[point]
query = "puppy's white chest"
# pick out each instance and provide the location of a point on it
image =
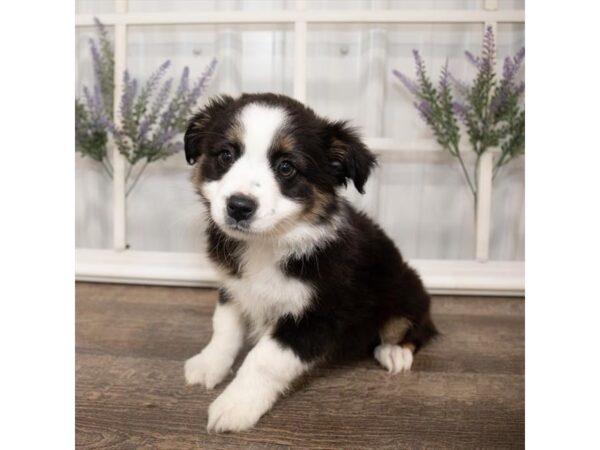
(263, 291)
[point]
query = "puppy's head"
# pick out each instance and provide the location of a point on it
(265, 163)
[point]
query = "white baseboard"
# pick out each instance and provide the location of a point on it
(458, 277)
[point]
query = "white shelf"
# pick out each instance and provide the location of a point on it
(459, 277)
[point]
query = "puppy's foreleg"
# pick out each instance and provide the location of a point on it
(268, 370)
(211, 366)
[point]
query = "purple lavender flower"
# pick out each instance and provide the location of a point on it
(190, 100)
(156, 76)
(507, 86)
(407, 82)
(88, 98)
(489, 49)
(110, 126)
(129, 92)
(183, 82)
(100, 27)
(487, 54)
(99, 106)
(512, 65)
(508, 69)
(519, 57)
(94, 102)
(203, 81)
(165, 136)
(167, 118)
(162, 95)
(420, 64)
(444, 75)
(96, 59)
(475, 60)
(424, 108)
(460, 110)
(160, 100)
(151, 85)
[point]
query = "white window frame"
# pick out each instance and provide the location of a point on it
(479, 276)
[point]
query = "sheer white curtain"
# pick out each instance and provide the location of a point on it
(420, 199)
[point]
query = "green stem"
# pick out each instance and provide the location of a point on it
(497, 166)
(108, 164)
(128, 172)
(108, 171)
(137, 178)
(476, 170)
(466, 174)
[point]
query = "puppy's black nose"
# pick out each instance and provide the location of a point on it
(241, 207)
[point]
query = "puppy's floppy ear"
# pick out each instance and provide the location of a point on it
(349, 157)
(199, 125)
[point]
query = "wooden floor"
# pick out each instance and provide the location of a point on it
(465, 391)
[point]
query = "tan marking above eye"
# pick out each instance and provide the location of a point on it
(286, 142)
(202, 122)
(235, 133)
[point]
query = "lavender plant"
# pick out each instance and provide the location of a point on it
(92, 111)
(490, 110)
(150, 117)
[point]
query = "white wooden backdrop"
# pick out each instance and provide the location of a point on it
(337, 56)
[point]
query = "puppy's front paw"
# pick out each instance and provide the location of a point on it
(236, 410)
(208, 368)
(394, 357)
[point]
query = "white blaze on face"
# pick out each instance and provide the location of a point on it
(252, 174)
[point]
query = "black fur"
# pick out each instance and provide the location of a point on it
(361, 282)
(350, 157)
(202, 126)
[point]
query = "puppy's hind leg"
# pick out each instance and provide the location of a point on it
(419, 334)
(393, 357)
(400, 339)
(409, 327)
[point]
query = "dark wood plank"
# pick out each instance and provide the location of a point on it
(465, 391)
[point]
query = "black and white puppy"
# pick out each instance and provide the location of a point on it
(306, 277)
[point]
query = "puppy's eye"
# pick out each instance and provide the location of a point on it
(225, 157)
(286, 169)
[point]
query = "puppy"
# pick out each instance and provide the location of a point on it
(306, 277)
